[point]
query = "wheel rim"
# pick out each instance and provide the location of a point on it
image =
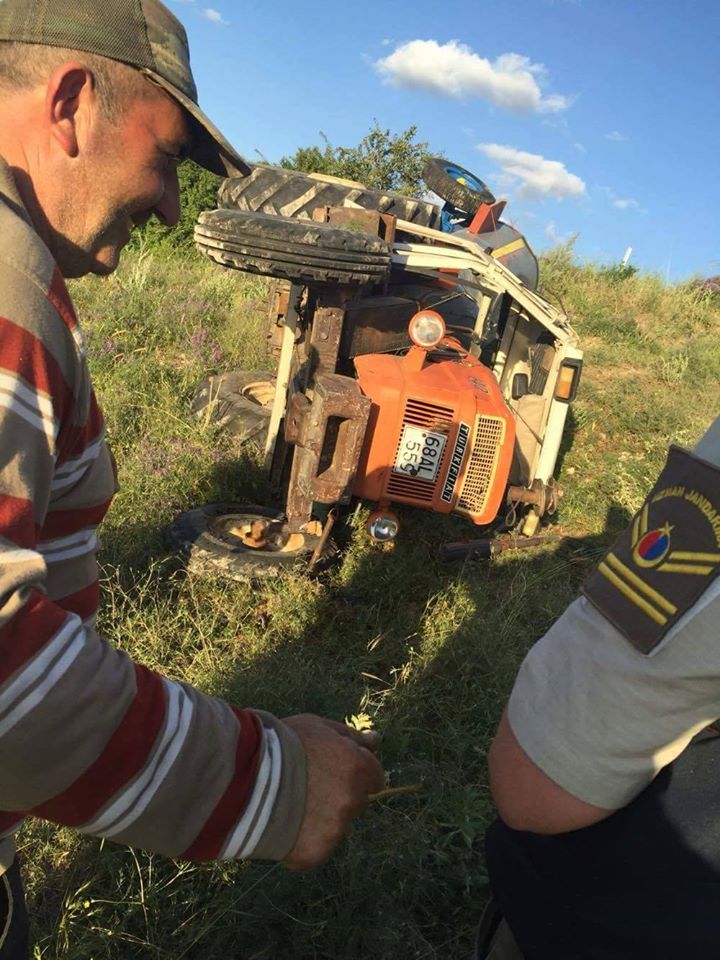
(464, 178)
(234, 529)
(262, 393)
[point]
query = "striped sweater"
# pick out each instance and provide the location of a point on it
(88, 738)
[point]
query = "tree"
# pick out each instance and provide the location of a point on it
(386, 161)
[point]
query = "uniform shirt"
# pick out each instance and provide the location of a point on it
(599, 717)
(88, 739)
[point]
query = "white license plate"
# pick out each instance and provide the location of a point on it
(420, 453)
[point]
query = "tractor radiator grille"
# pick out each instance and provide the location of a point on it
(429, 416)
(488, 439)
(421, 414)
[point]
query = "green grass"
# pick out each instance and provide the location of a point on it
(427, 652)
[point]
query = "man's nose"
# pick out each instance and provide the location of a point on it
(167, 210)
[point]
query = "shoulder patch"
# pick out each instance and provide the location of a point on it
(666, 558)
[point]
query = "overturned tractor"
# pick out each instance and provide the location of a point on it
(417, 365)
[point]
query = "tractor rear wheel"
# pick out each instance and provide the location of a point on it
(289, 193)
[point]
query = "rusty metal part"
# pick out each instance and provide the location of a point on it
(324, 536)
(259, 534)
(359, 219)
(328, 434)
(278, 302)
(297, 411)
(253, 535)
(355, 219)
(377, 325)
(325, 337)
(543, 497)
(485, 549)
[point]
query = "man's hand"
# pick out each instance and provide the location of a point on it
(341, 774)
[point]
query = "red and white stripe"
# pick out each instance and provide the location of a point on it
(30, 404)
(66, 548)
(72, 471)
(128, 805)
(28, 688)
(241, 844)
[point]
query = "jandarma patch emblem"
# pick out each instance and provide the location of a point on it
(653, 547)
(666, 558)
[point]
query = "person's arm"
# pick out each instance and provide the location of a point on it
(591, 720)
(630, 673)
(90, 740)
(526, 798)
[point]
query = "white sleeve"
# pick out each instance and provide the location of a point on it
(600, 718)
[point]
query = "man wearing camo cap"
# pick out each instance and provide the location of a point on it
(97, 107)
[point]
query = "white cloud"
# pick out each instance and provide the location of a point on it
(215, 16)
(616, 136)
(580, 148)
(511, 82)
(533, 175)
(627, 204)
(620, 203)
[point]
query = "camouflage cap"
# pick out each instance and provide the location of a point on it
(141, 33)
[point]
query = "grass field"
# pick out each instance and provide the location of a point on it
(423, 652)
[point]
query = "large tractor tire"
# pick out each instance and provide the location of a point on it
(288, 193)
(458, 186)
(298, 250)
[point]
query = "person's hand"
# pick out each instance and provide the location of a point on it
(342, 773)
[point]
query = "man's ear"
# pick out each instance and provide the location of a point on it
(69, 103)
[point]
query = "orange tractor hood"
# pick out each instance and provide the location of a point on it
(440, 435)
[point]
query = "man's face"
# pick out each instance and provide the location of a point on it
(129, 174)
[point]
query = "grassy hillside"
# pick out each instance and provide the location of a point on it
(427, 652)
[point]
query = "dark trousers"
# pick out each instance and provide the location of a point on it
(642, 885)
(13, 917)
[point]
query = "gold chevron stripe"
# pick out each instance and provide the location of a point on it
(685, 568)
(636, 581)
(636, 530)
(644, 519)
(631, 595)
(700, 557)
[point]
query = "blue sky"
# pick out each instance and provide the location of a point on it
(594, 117)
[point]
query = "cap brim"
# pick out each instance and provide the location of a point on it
(210, 149)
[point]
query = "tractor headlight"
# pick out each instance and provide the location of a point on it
(383, 526)
(427, 329)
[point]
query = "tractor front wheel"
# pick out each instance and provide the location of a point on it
(241, 542)
(298, 250)
(456, 185)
